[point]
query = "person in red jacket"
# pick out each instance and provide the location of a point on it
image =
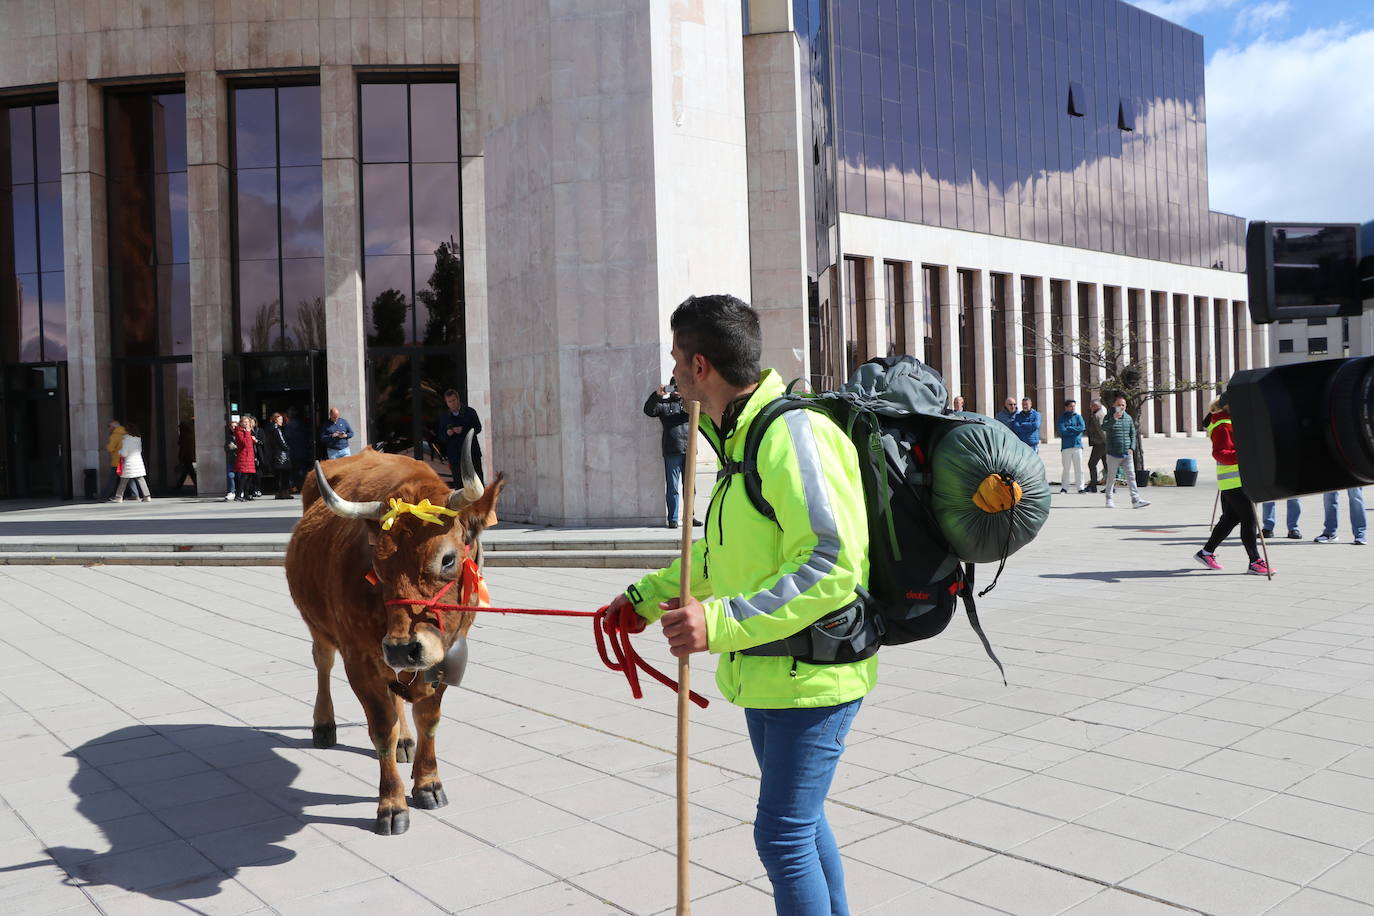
(245, 461)
(1236, 508)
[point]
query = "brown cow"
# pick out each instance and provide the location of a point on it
(392, 654)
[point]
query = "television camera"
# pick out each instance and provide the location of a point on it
(1306, 427)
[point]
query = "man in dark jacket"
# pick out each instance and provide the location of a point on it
(1097, 442)
(337, 436)
(452, 427)
(665, 403)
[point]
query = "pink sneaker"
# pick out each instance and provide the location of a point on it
(1260, 568)
(1207, 559)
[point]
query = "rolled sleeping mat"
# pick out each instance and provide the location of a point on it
(989, 490)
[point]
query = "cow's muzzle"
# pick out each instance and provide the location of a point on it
(407, 655)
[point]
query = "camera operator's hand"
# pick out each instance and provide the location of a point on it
(661, 391)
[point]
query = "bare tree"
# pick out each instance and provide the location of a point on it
(1124, 369)
(309, 329)
(260, 333)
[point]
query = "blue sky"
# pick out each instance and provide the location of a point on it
(1290, 104)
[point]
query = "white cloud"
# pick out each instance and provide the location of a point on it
(1289, 127)
(1261, 16)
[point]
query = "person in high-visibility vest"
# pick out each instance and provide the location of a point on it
(1236, 508)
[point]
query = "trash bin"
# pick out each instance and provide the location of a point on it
(1142, 477)
(90, 482)
(1185, 472)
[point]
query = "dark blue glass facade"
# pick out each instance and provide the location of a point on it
(1073, 122)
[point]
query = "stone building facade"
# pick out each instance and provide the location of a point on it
(296, 204)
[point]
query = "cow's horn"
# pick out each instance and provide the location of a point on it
(344, 507)
(472, 487)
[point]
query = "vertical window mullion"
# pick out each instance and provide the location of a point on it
(410, 210)
(37, 228)
(281, 259)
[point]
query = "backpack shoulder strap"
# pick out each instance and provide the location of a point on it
(748, 465)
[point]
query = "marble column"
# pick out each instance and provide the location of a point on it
(875, 306)
(1015, 337)
(1186, 350)
(208, 205)
(1044, 361)
(1226, 347)
(948, 316)
(1088, 296)
(1207, 352)
(1073, 367)
(981, 398)
(774, 103)
(915, 310)
(84, 260)
(1259, 342)
(345, 336)
(1166, 368)
(1240, 315)
(1144, 335)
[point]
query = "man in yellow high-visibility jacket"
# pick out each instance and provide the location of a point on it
(756, 581)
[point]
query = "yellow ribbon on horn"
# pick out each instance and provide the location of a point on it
(424, 510)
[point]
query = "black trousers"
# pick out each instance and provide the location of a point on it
(1097, 458)
(1236, 509)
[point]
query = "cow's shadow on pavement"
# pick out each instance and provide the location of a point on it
(184, 808)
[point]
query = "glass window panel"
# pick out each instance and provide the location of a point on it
(255, 128)
(29, 350)
(48, 165)
(178, 232)
(259, 305)
(179, 307)
(390, 412)
(386, 210)
(384, 122)
(303, 303)
(434, 122)
(21, 144)
(54, 315)
(169, 112)
(302, 212)
(25, 229)
(257, 213)
(50, 225)
(299, 119)
(386, 292)
(437, 214)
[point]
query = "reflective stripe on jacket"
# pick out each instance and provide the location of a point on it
(1228, 475)
(759, 581)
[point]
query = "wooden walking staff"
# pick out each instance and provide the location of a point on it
(684, 669)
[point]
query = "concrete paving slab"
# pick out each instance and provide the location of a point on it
(1171, 737)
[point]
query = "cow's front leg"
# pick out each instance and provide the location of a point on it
(428, 791)
(405, 747)
(383, 726)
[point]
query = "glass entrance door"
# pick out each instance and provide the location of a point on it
(37, 442)
(406, 393)
(292, 384)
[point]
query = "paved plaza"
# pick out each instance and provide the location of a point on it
(1171, 739)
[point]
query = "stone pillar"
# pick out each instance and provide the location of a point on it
(1207, 362)
(1259, 343)
(875, 305)
(915, 311)
(208, 203)
(1226, 352)
(1166, 371)
(1189, 371)
(1073, 367)
(778, 264)
(85, 248)
(1044, 361)
(616, 186)
(983, 399)
(1089, 301)
(1015, 356)
(345, 336)
(476, 336)
(1145, 336)
(948, 316)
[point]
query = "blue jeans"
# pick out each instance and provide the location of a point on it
(797, 751)
(1355, 498)
(337, 452)
(1291, 513)
(672, 479)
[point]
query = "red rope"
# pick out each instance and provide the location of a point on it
(626, 660)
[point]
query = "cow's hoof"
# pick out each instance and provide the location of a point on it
(405, 750)
(325, 735)
(392, 823)
(429, 797)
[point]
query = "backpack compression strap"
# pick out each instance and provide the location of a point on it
(971, 609)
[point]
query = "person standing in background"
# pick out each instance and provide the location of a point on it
(1070, 428)
(1097, 444)
(131, 451)
(112, 444)
(337, 436)
(665, 403)
(1292, 511)
(1120, 432)
(1026, 424)
(452, 428)
(1355, 500)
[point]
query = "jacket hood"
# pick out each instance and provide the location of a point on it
(770, 388)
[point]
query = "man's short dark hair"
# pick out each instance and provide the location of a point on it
(451, 393)
(723, 329)
(1069, 402)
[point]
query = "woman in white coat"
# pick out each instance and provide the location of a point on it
(131, 467)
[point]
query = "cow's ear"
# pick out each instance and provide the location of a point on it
(485, 508)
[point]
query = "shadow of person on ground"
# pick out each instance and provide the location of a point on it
(1119, 575)
(185, 807)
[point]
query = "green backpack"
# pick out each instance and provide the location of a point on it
(944, 490)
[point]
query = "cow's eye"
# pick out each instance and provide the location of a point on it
(450, 559)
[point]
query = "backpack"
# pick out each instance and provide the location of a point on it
(944, 490)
